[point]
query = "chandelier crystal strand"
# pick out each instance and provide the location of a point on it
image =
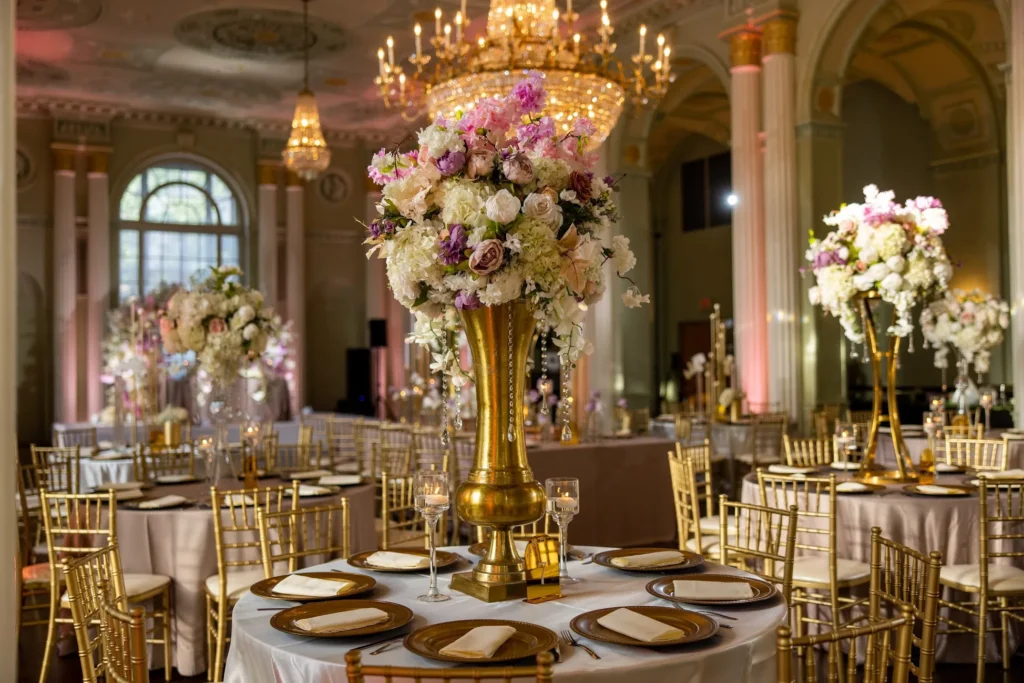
(582, 75)
(306, 152)
(566, 399)
(511, 384)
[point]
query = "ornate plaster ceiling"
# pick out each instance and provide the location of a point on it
(217, 58)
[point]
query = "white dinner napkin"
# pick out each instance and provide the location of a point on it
(1006, 474)
(711, 590)
(239, 498)
(945, 467)
(932, 490)
(850, 487)
(638, 626)
(390, 560)
(174, 478)
(311, 587)
(163, 502)
(309, 474)
(105, 444)
(480, 643)
(309, 490)
(341, 480)
(128, 494)
(111, 455)
(658, 559)
(845, 465)
(789, 469)
(120, 486)
(346, 620)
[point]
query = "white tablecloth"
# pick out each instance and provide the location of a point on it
(745, 653)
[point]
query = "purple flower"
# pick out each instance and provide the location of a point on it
(591, 406)
(382, 227)
(529, 93)
(451, 162)
(453, 247)
(533, 395)
(622, 403)
(552, 400)
(467, 302)
(823, 259)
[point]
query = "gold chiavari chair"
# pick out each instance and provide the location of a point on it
(124, 642)
(702, 465)
(808, 452)
(57, 468)
(165, 464)
(239, 557)
(996, 586)
(824, 419)
(963, 430)
(343, 449)
(464, 449)
(395, 434)
(318, 422)
(305, 435)
(79, 524)
(765, 444)
(684, 428)
(357, 673)
(395, 459)
(427, 450)
(367, 433)
(83, 437)
(687, 497)
(291, 458)
(903, 576)
(399, 524)
(986, 455)
(859, 416)
(889, 640)
(92, 580)
(314, 535)
(819, 575)
(33, 577)
(759, 540)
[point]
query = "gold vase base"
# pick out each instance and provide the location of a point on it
(886, 477)
(488, 592)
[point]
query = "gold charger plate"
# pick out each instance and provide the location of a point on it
(529, 640)
(690, 560)
(398, 616)
(480, 549)
(443, 558)
(871, 488)
(951, 491)
(361, 584)
(134, 505)
(694, 626)
(763, 590)
(189, 480)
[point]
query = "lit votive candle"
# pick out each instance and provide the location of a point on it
(435, 500)
(565, 503)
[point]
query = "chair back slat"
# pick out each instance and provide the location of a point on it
(808, 452)
(976, 453)
(288, 536)
(760, 540)
(92, 580)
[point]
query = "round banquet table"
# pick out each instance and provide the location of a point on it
(180, 543)
(745, 653)
(924, 523)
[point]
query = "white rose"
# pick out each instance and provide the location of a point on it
(943, 271)
(891, 282)
(814, 294)
(896, 264)
(541, 207)
(569, 196)
(877, 272)
(503, 207)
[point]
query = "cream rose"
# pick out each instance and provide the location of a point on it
(539, 205)
(503, 207)
(487, 257)
(518, 169)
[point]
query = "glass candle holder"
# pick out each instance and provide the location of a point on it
(563, 504)
(431, 490)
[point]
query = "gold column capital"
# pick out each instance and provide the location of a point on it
(98, 161)
(293, 180)
(780, 34)
(267, 172)
(63, 159)
(745, 47)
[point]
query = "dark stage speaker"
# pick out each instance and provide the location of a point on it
(360, 395)
(378, 333)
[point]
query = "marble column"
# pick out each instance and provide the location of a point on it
(98, 272)
(9, 598)
(65, 292)
(748, 239)
(295, 245)
(781, 216)
(1015, 146)
(266, 207)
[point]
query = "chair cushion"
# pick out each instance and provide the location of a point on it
(238, 582)
(814, 569)
(711, 525)
(134, 585)
(1001, 577)
(36, 573)
(748, 459)
(709, 544)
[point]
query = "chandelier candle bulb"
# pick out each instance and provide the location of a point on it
(417, 30)
(643, 41)
(437, 22)
(380, 60)
(458, 28)
(391, 52)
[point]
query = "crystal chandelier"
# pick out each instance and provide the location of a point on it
(306, 153)
(582, 76)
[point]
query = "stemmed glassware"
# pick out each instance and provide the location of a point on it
(563, 504)
(987, 397)
(431, 491)
(846, 440)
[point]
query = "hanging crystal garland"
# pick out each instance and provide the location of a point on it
(511, 385)
(566, 399)
(445, 436)
(544, 373)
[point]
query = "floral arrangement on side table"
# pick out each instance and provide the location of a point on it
(222, 321)
(970, 322)
(883, 247)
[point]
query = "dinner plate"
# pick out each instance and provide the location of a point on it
(480, 549)
(951, 491)
(690, 560)
(443, 559)
(763, 590)
(134, 505)
(327, 491)
(695, 627)
(844, 466)
(361, 584)
(186, 479)
(305, 475)
(529, 640)
(869, 488)
(398, 616)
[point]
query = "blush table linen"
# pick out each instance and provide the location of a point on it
(743, 654)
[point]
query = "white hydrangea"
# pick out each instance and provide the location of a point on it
(463, 202)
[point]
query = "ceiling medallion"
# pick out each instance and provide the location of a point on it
(54, 15)
(583, 76)
(259, 34)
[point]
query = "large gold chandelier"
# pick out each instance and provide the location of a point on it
(306, 153)
(582, 76)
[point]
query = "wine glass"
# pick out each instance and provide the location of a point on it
(846, 440)
(211, 458)
(430, 488)
(563, 504)
(987, 397)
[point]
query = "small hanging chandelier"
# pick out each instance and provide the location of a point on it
(306, 153)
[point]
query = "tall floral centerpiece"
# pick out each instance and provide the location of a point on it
(889, 252)
(492, 225)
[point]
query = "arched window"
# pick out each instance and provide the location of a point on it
(177, 218)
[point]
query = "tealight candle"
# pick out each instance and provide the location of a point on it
(565, 503)
(435, 499)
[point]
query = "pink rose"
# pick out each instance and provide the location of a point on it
(487, 257)
(217, 326)
(518, 168)
(480, 160)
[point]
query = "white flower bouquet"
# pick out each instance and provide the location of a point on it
(498, 205)
(222, 321)
(881, 247)
(970, 322)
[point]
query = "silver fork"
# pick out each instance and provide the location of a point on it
(568, 637)
(715, 614)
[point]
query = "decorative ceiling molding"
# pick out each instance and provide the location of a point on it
(662, 13)
(64, 110)
(269, 34)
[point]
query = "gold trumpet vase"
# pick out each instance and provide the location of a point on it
(500, 491)
(870, 471)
